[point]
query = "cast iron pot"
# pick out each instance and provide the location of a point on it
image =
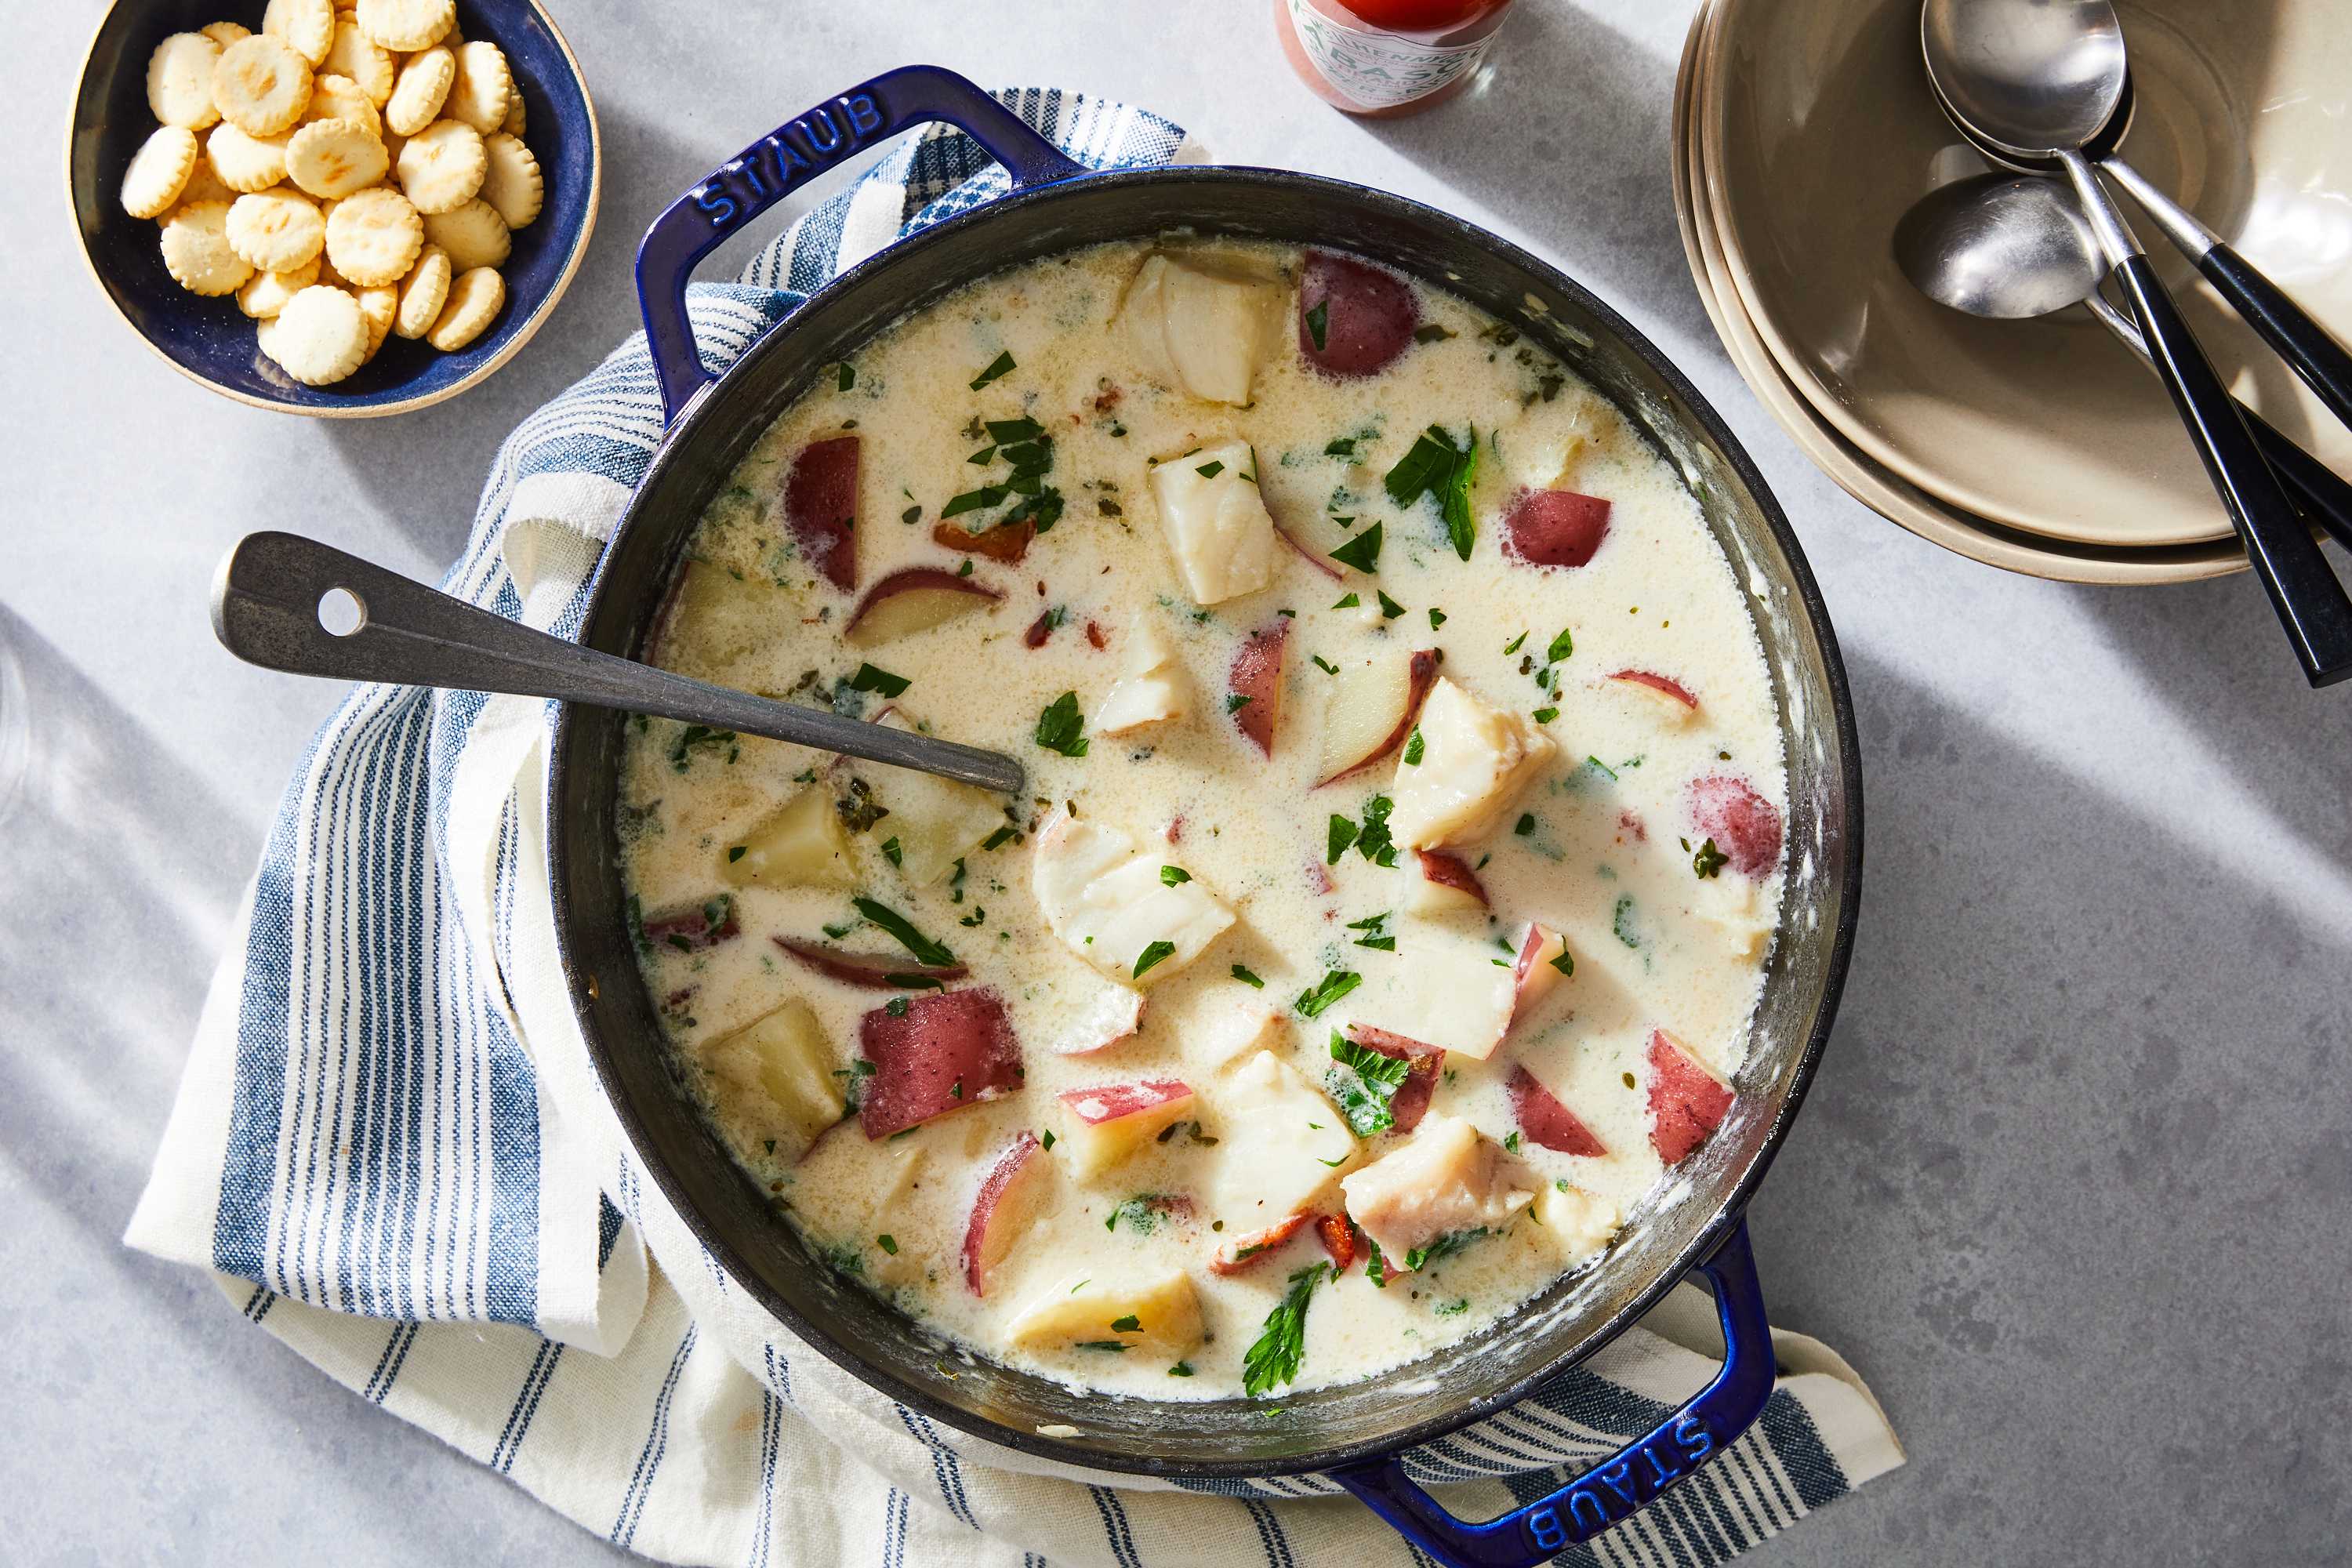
(1354, 1433)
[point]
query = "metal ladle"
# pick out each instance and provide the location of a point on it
(267, 608)
(2007, 249)
(2040, 81)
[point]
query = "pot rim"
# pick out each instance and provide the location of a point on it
(704, 405)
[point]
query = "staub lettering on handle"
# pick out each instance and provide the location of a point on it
(1613, 1494)
(792, 153)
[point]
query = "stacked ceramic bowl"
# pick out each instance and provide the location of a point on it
(1805, 129)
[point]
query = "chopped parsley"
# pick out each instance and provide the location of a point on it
(1249, 979)
(1376, 932)
(1342, 835)
(1339, 446)
(702, 738)
(1524, 825)
(1436, 466)
(998, 368)
(1210, 469)
(1546, 715)
(1131, 1325)
(1182, 1369)
(1372, 842)
(887, 1242)
(925, 950)
(1436, 618)
(1362, 552)
(734, 853)
(998, 839)
(1235, 701)
(871, 679)
(1348, 602)
(1443, 1247)
(1010, 432)
(1319, 322)
(1172, 876)
(1151, 954)
(1564, 961)
(846, 377)
(1102, 1345)
(1709, 860)
(1335, 984)
(974, 501)
(1561, 646)
(891, 852)
(1414, 748)
(1325, 666)
(1060, 727)
(1430, 332)
(1363, 1083)
(1272, 1360)
(1514, 645)
(1389, 608)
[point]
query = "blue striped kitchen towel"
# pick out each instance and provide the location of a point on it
(390, 1148)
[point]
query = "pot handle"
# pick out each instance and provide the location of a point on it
(787, 158)
(1621, 1485)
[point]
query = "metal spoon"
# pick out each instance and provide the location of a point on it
(267, 607)
(2040, 79)
(2009, 248)
(2076, 60)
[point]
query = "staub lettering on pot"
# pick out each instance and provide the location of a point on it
(788, 155)
(1615, 1492)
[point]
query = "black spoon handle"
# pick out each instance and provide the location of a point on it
(2310, 603)
(2303, 342)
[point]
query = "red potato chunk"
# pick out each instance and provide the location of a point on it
(1743, 824)
(1248, 1251)
(1411, 1101)
(1253, 684)
(1010, 1198)
(1686, 1102)
(820, 508)
(1367, 316)
(914, 600)
(1370, 711)
(1451, 871)
(693, 930)
(1545, 1121)
(1666, 686)
(944, 1050)
(1103, 1125)
(1537, 969)
(868, 970)
(1554, 528)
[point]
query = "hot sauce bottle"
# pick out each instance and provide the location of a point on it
(1382, 58)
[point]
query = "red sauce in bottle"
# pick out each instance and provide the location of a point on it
(1381, 58)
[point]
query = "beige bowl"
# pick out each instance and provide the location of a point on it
(1815, 130)
(1882, 491)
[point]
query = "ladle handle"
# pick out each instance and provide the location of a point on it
(268, 603)
(2305, 592)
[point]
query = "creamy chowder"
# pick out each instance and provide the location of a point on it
(1402, 854)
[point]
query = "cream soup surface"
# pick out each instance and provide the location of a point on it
(1631, 690)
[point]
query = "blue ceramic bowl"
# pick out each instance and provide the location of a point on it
(211, 340)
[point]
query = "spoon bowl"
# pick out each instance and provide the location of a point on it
(1999, 247)
(2034, 77)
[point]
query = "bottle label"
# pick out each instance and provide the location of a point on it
(1379, 71)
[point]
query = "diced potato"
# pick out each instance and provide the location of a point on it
(1576, 1223)
(936, 821)
(717, 622)
(775, 1074)
(1474, 761)
(1107, 901)
(803, 846)
(1197, 326)
(1443, 989)
(1446, 1177)
(1103, 1125)
(1217, 525)
(1281, 1145)
(1157, 1314)
(1151, 689)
